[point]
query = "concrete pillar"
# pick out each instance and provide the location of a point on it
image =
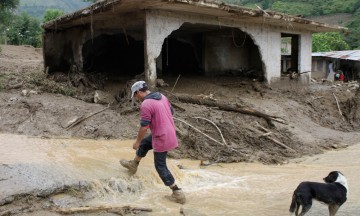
(156, 30)
(305, 57)
(268, 41)
(77, 46)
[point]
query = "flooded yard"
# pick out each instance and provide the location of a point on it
(32, 165)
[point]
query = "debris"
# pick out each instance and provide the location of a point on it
(338, 106)
(102, 97)
(121, 210)
(161, 83)
(77, 121)
(228, 107)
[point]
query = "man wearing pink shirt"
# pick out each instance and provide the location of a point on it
(156, 114)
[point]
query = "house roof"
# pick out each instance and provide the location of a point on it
(107, 9)
(353, 55)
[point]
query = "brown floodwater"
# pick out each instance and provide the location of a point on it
(29, 164)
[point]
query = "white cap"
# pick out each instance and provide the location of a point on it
(137, 86)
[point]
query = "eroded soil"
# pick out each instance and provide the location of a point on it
(35, 104)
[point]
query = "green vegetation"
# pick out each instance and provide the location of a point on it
(328, 41)
(51, 14)
(7, 10)
(37, 8)
(324, 41)
(24, 30)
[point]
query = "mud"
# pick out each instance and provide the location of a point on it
(313, 123)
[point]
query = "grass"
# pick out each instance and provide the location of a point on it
(4, 79)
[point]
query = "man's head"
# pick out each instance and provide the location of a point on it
(139, 87)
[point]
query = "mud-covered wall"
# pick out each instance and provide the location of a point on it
(221, 54)
(63, 49)
(229, 50)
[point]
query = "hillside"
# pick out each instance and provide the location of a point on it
(36, 8)
(338, 12)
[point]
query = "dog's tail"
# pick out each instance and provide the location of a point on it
(293, 204)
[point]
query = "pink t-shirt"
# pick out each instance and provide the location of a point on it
(162, 127)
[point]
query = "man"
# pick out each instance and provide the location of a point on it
(156, 114)
(331, 74)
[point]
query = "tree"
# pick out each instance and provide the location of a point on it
(51, 14)
(328, 41)
(7, 9)
(25, 30)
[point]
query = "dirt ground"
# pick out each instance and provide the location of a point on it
(36, 104)
(267, 124)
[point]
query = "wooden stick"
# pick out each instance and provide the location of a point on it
(338, 106)
(198, 131)
(222, 137)
(85, 117)
(89, 209)
(267, 135)
(228, 107)
(175, 83)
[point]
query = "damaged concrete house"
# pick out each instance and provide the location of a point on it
(170, 37)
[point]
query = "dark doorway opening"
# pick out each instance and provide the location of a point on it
(181, 56)
(290, 53)
(114, 55)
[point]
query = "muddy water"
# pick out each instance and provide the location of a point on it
(39, 165)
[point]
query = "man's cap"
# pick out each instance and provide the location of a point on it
(137, 86)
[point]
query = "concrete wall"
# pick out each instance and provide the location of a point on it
(220, 54)
(63, 49)
(160, 24)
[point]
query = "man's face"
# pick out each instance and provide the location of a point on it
(137, 95)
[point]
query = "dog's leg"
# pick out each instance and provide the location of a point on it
(333, 208)
(305, 209)
(297, 209)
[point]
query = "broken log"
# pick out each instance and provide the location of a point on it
(196, 129)
(267, 135)
(77, 121)
(114, 209)
(228, 107)
(338, 106)
(15, 86)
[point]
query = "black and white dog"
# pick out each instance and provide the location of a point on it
(332, 193)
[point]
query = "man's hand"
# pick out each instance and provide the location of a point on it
(136, 145)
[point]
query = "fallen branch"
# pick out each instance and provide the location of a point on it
(279, 143)
(122, 210)
(85, 117)
(178, 107)
(15, 86)
(199, 131)
(175, 83)
(228, 107)
(222, 137)
(267, 135)
(338, 106)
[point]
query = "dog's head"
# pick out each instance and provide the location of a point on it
(336, 176)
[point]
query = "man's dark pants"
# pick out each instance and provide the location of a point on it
(159, 160)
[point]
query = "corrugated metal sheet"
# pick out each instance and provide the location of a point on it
(353, 55)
